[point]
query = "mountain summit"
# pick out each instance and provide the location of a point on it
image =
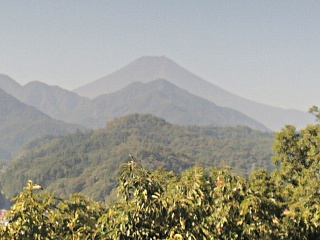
(146, 69)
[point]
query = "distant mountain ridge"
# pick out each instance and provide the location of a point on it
(8, 84)
(146, 69)
(20, 123)
(163, 99)
(58, 103)
(159, 97)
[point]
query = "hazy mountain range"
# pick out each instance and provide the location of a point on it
(146, 69)
(153, 85)
(165, 100)
(54, 101)
(158, 97)
(20, 123)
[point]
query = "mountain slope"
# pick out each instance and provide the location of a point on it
(88, 162)
(54, 101)
(8, 84)
(165, 100)
(20, 123)
(147, 69)
(160, 98)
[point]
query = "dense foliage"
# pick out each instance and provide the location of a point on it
(196, 204)
(88, 162)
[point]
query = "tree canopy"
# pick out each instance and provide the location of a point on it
(196, 204)
(87, 162)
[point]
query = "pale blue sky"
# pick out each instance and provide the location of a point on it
(267, 51)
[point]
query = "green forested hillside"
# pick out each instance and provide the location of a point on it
(199, 204)
(88, 162)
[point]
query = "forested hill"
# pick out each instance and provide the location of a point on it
(20, 123)
(88, 162)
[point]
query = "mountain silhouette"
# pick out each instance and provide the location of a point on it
(165, 100)
(146, 69)
(20, 123)
(158, 97)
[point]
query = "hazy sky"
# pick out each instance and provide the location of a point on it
(267, 51)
